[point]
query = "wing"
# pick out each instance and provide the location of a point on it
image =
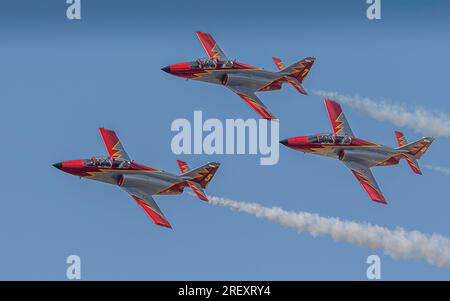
(113, 145)
(211, 47)
(146, 201)
(337, 118)
(367, 180)
(252, 100)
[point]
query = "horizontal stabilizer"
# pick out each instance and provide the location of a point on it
(294, 82)
(412, 162)
(197, 189)
(279, 63)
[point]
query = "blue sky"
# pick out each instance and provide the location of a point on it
(61, 80)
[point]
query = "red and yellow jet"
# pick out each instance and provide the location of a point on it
(140, 181)
(357, 154)
(241, 78)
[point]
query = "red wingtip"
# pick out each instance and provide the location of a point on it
(157, 218)
(383, 201)
(330, 101)
(183, 166)
(166, 225)
(373, 193)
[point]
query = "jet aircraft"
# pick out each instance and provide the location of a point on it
(242, 79)
(140, 181)
(357, 154)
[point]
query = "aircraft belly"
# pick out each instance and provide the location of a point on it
(327, 152)
(150, 179)
(212, 78)
(369, 156)
(256, 79)
(149, 182)
(252, 79)
(267, 75)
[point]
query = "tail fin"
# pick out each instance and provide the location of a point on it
(199, 178)
(296, 73)
(413, 151)
(299, 70)
(412, 162)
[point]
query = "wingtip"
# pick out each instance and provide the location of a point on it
(381, 201)
(165, 225)
(103, 129)
(274, 119)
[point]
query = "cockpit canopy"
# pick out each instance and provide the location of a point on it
(107, 162)
(330, 139)
(212, 63)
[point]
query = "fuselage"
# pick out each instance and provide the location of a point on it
(124, 173)
(345, 148)
(226, 72)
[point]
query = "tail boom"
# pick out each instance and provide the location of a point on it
(294, 74)
(413, 151)
(299, 70)
(199, 178)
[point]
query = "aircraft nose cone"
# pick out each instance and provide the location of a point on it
(284, 142)
(58, 165)
(166, 69)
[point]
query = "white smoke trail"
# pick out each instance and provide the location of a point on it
(398, 243)
(420, 120)
(442, 170)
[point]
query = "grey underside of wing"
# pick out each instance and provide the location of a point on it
(247, 92)
(363, 169)
(146, 196)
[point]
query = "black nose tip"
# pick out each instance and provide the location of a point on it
(166, 69)
(284, 142)
(58, 165)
